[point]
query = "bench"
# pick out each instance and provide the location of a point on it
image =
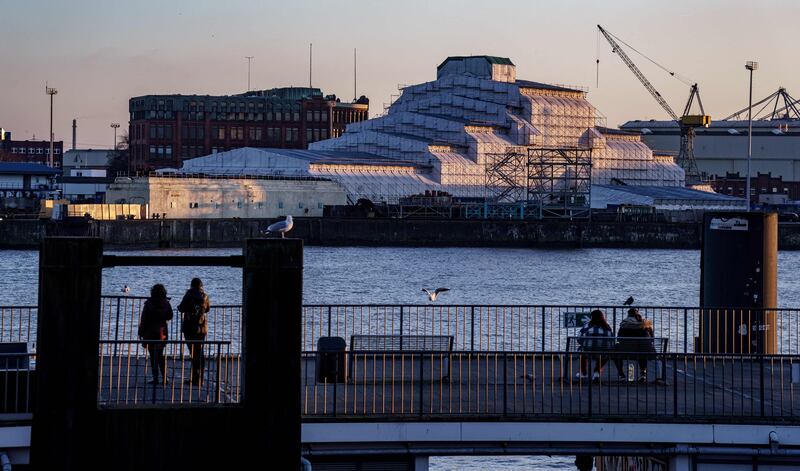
(363, 345)
(660, 345)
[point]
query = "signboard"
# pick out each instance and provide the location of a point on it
(576, 320)
(728, 224)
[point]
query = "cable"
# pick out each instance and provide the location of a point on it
(680, 77)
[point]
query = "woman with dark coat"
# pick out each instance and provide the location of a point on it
(635, 335)
(153, 326)
(195, 306)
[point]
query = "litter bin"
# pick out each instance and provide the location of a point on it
(330, 360)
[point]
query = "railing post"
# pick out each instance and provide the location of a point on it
(421, 379)
(472, 329)
(401, 322)
(614, 321)
(219, 377)
(685, 330)
(543, 329)
(329, 321)
(762, 383)
(116, 328)
(675, 385)
(505, 384)
(591, 386)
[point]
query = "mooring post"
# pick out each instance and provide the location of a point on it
(67, 345)
(271, 336)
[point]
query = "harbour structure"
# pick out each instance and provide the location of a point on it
(166, 129)
(721, 149)
(475, 132)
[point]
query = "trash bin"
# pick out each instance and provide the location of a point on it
(330, 360)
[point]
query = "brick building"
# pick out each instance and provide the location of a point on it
(30, 151)
(166, 129)
(764, 184)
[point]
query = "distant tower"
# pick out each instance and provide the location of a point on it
(74, 133)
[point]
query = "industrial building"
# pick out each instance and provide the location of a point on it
(166, 129)
(720, 149)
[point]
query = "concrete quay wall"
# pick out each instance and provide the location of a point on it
(374, 232)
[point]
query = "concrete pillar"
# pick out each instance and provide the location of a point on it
(680, 463)
(420, 463)
(271, 344)
(67, 342)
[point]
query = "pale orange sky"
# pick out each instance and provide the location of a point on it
(98, 53)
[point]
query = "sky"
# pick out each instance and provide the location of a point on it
(99, 54)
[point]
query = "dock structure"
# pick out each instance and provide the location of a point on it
(381, 385)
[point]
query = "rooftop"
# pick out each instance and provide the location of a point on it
(489, 59)
(15, 168)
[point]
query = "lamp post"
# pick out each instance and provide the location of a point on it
(249, 59)
(115, 126)
(751, 66)
(50, 91)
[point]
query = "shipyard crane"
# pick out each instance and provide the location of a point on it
(687, 122)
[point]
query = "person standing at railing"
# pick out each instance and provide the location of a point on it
(156, 312)
(634, 336)
(595, 337)
(194, 307)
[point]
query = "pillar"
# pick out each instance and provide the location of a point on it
(271, 344)
(67, 343)
(680, 463)
(420, 463)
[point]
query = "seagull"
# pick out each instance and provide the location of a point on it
(125, 290)
(281, 226)
(432, 296)
(628, 301)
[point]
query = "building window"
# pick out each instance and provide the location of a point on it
(300, 205)
(319, 205)
(316, 134)
(280, 204)
(309, 135)
(309, 115)
(324, 116)
(323, 134)
(239, 204)
(237, 133)
(254, 133)
(316, 116)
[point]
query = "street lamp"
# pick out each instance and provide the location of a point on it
(115, 126)
(50, 91)
(751, 66)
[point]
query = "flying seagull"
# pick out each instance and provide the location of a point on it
(281, 227)
(433, 295)
(628, 301)
(125, 290)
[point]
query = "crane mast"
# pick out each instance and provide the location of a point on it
(686, 122)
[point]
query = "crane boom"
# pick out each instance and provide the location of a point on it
(638, 73)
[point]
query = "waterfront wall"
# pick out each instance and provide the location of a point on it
(375, 232)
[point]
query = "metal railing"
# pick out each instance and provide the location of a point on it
(126, 376)
(16, 383)
(549, 386)
(546, 327)
(473, 327)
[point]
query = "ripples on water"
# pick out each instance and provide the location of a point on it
(360, 275)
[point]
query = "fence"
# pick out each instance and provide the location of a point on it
(474, 328)
(542, 328)
(548, 386)
(126, 370)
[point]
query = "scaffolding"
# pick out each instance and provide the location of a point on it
(505, 176)
(560, 182)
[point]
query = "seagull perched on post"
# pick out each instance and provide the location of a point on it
(281, 227)
(628, 301)
(433, 295)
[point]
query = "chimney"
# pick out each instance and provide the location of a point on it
(74, 132)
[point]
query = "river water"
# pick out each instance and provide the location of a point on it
(359, 275)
